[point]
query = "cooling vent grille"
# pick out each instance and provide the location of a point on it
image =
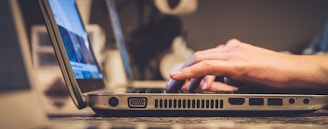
(188, 103)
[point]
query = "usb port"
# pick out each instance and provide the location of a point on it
(256, 101)
(275, 101)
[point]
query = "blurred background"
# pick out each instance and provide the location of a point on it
(281, 25)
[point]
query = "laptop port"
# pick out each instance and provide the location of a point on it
(275, 101)
(291, 101)
(113, 101)
(137, 102)
(256, 101)
(306, 101)
(236, 101)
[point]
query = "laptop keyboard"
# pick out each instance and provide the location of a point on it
(146, 90)
(161, 90)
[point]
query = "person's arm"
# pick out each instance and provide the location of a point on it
(241, 62)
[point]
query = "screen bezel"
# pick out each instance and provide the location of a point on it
(75, 86)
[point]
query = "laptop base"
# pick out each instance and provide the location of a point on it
(188, 113)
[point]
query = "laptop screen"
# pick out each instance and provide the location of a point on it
(75, 39)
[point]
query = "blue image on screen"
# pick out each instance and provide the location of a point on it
(75, 39)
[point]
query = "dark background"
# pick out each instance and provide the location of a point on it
(273, 24)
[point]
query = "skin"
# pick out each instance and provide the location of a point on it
(244, 66)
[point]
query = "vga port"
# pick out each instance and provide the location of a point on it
(137, 102)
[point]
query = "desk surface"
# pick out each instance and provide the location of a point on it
(317, 120)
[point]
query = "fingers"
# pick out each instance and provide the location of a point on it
(211, 57)
(209, 84)
(213, 87)
(202, 63)
(200, 74)
(197, 71)
(174, 85)
(219, 86)
(218, 53)
(208, 67)
(204, 82)
(207, 81)
(194, 84)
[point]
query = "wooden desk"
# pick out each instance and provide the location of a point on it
(317, 120)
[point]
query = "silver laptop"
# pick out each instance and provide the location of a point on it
(85, 83)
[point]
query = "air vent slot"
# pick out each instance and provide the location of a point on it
(188, 103)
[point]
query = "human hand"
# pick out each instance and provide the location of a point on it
(240, 62)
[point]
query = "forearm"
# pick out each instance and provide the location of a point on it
(312, 74)
(322, 71)
(291, 73)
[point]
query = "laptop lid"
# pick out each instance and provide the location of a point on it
(20, 107)
(72, 48)
(119, 38)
